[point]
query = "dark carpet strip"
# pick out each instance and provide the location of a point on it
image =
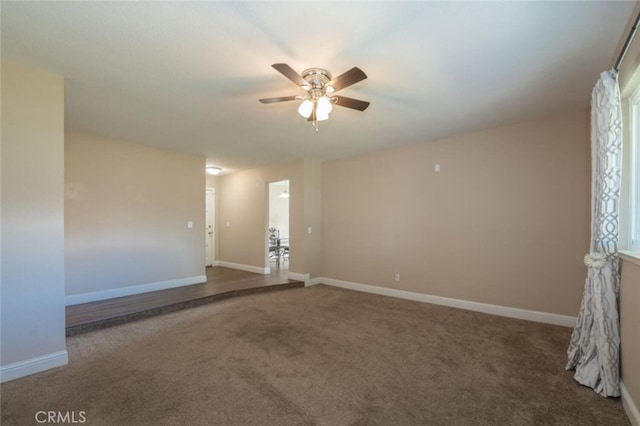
(122, 319)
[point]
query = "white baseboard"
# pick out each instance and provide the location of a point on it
(503, 311)
(629, 406)
(76, 299)
(314, 281)
(33, 365)
(247, 268)
(298, 276)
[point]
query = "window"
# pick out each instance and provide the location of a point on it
(630, 229)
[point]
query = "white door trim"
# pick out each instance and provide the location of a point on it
(210, 227)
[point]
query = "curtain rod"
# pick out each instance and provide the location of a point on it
(632, 33)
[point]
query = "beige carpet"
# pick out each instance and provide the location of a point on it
(319, 355)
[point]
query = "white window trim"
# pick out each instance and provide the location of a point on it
(630, 256)
(630, 220)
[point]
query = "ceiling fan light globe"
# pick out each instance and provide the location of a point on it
(305, 108)
(321, 116)
(329, 88)
(324, 106)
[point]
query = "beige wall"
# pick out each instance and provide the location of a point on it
(504, 222)
(212, 181)
(243, 205)
(32, 222)
(313, 217)
(629, 321)
(126, 211)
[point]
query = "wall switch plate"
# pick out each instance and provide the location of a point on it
(396, 277)
(308, 230)
(436, 168)
(190, 224)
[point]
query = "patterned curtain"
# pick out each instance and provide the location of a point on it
(594, 351)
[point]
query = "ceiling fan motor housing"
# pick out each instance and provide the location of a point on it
(317, 79)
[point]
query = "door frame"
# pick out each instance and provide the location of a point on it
(210, 217)
(268, 216)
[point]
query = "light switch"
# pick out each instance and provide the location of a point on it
(227, 224)
(308, 230)
(190, 224)
(436, 168)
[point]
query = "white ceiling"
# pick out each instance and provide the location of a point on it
(188, 75)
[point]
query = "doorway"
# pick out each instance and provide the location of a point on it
(210, 217)
(278, 229)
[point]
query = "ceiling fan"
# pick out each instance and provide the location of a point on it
(318, 102)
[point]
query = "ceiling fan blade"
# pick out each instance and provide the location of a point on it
(350, 103)
(280, 99)
(290, 73)
(348, 78)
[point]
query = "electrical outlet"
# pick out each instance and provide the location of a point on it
(396, 277)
